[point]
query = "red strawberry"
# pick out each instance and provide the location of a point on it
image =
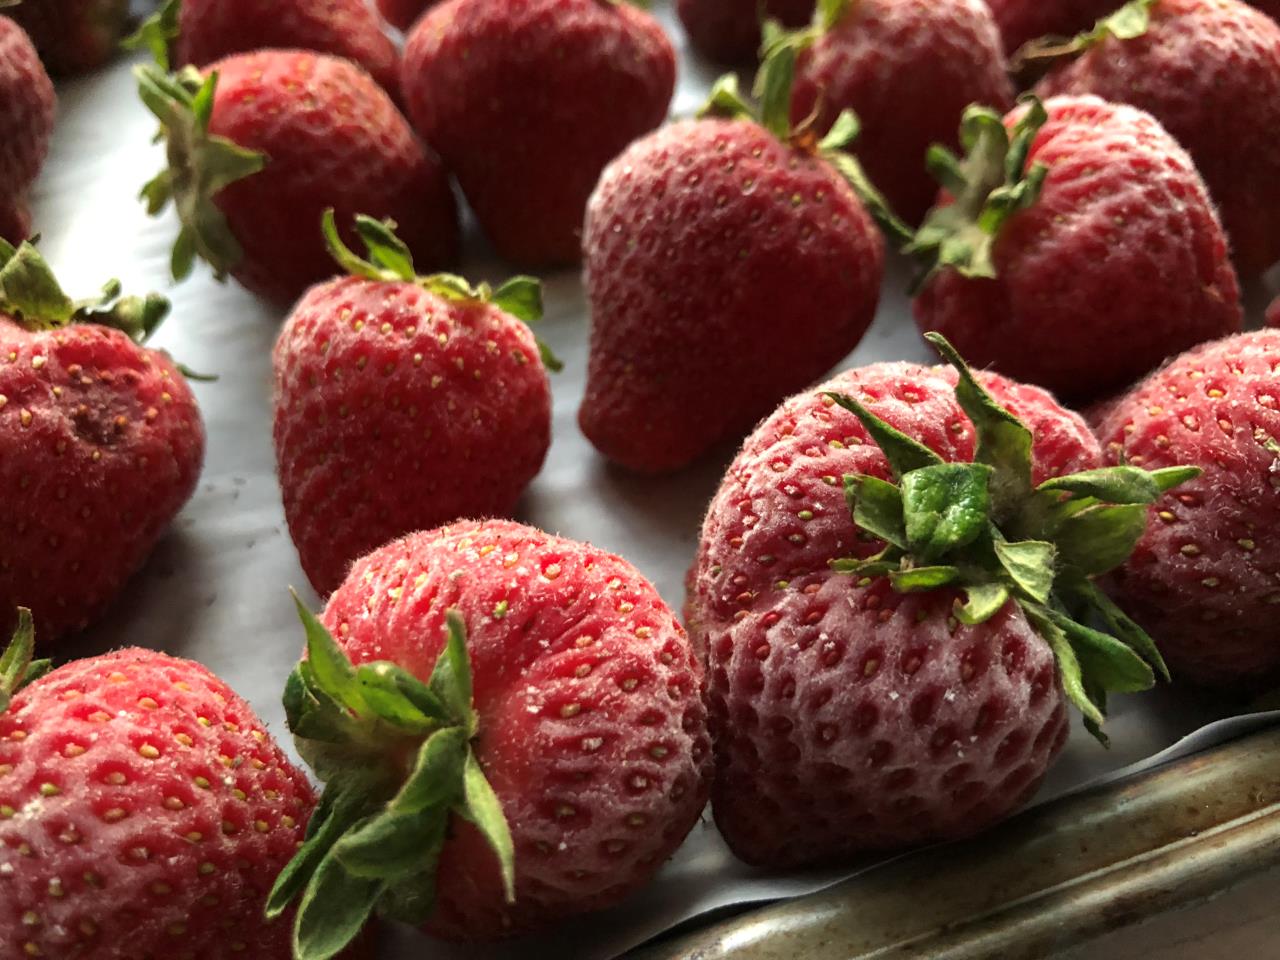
(143, 812)
(403, 402)
(265, 143)
(101, 444)
(910, 694)
(1206, 577)
(1098, 258)
(908, 70)
(728, 31)
(200, 32)
(574, 745)
(728, 263)
(403, 14)
(73, 36)
(26, 122)
(1209, 71)
(527, 100)
(1273, 314)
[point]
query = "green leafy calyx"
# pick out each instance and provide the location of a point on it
(199, 166)
(157, 33)
(985, 530)
(1129, 22)
(17, 669)
(31, 295)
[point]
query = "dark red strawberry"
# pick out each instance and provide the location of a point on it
(1273, 313)
(403, 14)
(728, 31)
(521, 738)
(728, 262)
(908, 70)
(1209, 71)
(403, 402)
(26, 123)
(527, 101)
(265, 143)
(73, 36)
(903, 677)
(101, 444)
(1075, 247)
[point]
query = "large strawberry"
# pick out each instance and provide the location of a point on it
(1206, 577)
(728, 31)
(26, 123)
(729, 262)
(261, 145)
(73, 36)
(550, 775)
(201, 32)
(101, 444)
(1209, 71)
(143, 811)
(908, 70)
(527, 100)
(903, 677)
(1074, 247)
(403, 402)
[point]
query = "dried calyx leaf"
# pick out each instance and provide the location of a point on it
(31, 295)
(388, 259)
(984, 529)
(157, 33)
(1127, 23)
(396, 759)
(200, 165)
(988, 186)
(17, 669)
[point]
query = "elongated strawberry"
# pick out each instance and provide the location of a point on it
(73, 36)
(26, 123)
(101, 444)
(902, 677)
(510, 729)
(403, 402)
(728, 31)
(261, 145)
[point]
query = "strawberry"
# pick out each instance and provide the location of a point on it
(528, 100)
(1209, 71)
(403, 14)
(1076, 248)
(268, 141)
(403, 402)
(101, 444)
(1206, 577)
(728, 31)
(1273, 314)
(908, 70)
(143, 811)
(903, 677)
(73, 36)
(26, 123)
(511, 732)
(200, 32)
(729, 261)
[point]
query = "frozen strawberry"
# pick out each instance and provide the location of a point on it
(264, 143)
(26, 123)
(73, 36)
(1206, 577)
(528, 100)
(521, 738)
(1075, 247)
(908, 70)
(1209, 71)
(729, 262)
(728, 31)
(403, 402)
(903, 676)
(101, 444)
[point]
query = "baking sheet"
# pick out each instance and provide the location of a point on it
(216, 587)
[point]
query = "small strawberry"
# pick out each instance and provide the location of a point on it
(101, 444)
(143, 811)
(1206, 577)
(903, 677)
(729, 261)
(728, 31)
(264, 143)
(521, 738)
(1209, 71)
(200, 32)
(403, 402)
(527, 100)
(908, 70)
(73, 36)
(403, 14)
(26, 123)
(1074, 247)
